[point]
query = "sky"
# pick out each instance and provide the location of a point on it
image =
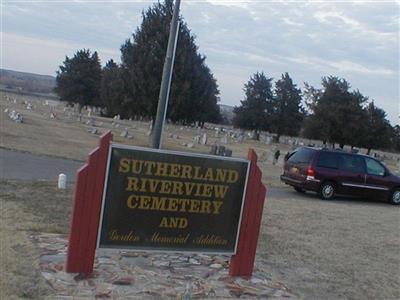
(355, 40)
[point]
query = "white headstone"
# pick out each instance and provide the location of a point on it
(62, 181)
(224, 139)
(196, 139)
(204, 139)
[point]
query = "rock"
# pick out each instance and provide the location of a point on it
(128, 280)
(216, 266)
(194, 261)
(104, 290)
(190, 145)
(158, 263)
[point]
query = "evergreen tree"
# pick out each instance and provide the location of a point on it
(111, 92)
(193, 90)
(337, 113)
(378, 128)
(256, 110)
(395, 138)
(289, 112)
(78, 80)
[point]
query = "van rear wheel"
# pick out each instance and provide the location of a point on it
(327, 190)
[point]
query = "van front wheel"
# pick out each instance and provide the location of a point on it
(327, 190)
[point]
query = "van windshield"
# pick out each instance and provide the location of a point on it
(302, 156)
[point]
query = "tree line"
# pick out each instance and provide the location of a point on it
(333, 113)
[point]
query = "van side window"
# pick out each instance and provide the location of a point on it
(374, 168)
(352, 163)
(328, 160)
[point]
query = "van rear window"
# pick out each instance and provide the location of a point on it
(302, 156)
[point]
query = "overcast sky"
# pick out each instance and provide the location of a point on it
(355, 40)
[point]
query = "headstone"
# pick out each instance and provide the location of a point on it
(196, 139)
(204, 139)
(214, 149)
(224, 139)
(268, 140)
(62, 181)
(240, 138)
(217, 130)
(190, 145)
(221, 150)
(124, 133)
(228, 152)
(93, 130)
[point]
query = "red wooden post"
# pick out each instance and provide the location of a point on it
(242, 263)
(86, 211)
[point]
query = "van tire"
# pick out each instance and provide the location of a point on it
(327, 190)
(395, 197)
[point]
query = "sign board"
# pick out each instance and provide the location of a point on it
(171, 201)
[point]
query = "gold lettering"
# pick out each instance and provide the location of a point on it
(233, 176)
(132, 184)
(194, 206)
(220, 191)
(175, 168)
(132, 201)
(217, 206)
(209, 175)
(162, 169)
(145, 202)
(149, 165)
(186, 172)
(220, 175)
(205, 207)
(123, 165)
(165, 187)
(207, 190)
(177, 188)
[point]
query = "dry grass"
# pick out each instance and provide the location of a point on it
(28, 207)
(322, 250)
(342, 249)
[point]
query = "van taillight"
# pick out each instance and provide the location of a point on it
(310, 172)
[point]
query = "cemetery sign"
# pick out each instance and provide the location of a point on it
(171, 201)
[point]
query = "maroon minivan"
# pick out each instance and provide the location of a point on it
(331, 172)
